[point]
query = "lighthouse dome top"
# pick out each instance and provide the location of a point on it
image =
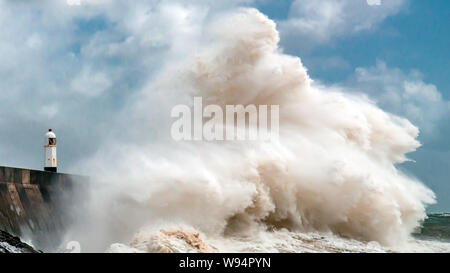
(50, 134)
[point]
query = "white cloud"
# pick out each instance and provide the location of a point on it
(74, 2)
(34, 41)
(91, 83)
(405, 94)
(373, 2)
(313, 22)
(49, 111)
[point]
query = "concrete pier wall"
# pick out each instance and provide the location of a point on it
(35, 203)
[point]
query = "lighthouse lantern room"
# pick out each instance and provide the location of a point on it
(50, 151)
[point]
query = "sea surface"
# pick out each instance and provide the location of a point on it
(435, 228)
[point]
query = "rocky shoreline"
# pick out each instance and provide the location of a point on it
(13, 244)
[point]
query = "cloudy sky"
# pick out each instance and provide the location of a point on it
(73, 65)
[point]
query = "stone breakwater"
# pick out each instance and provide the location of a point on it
(33, 204)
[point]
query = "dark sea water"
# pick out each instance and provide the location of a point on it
(436, 228)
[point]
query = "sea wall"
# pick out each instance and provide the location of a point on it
(34, 204)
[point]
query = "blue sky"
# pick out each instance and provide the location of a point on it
(73, 67)
(416, 38)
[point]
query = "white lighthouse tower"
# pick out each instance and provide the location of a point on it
(50, 151)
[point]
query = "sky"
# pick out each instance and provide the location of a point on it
(73, 65)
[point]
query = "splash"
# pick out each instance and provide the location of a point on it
(332, 170)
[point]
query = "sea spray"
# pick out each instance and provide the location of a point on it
(331, 171)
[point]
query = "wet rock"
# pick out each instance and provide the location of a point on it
(13, 244)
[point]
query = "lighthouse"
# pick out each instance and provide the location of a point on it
(50, 151)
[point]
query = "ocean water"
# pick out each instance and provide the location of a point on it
(435, 228)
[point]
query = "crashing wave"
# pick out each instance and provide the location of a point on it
(332, 171)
